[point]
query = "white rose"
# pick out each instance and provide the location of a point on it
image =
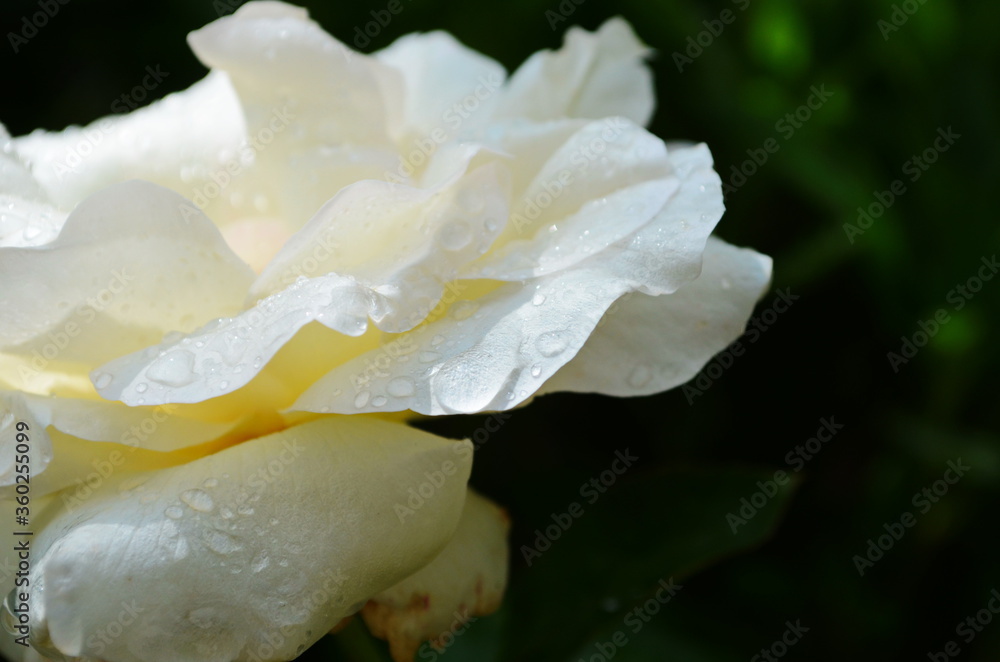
(428, 235)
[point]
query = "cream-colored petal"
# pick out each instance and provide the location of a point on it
(647, 344)
(176, 142)
(488, 353)
(595, 74)
(448, 87)
(465, 581)
(317, 113)
(91, 294)
(251, 553)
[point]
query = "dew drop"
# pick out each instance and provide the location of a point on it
(536, 370)
(245, 510)
(455, 235)
(226, 513)
(552, 343)
(428, 357)
(221, 543)
(379, 400)
(538, 299)
(141, 387)
(173, 512)
(223, 384)
(401, 387)
(174, 369)
(463, 309)
(197, 500)
(437, 340)
(641, 376)
(30, 232)
(102, 380)
(361, 400)
(260, 562)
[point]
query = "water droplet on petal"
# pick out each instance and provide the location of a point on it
(379, 400)
(463, 309)
(173, 512)
(174, 369)
(428, 357)
(455, 235)
(141, 387)
(401, 387)
(552, 343)
(221, 543)
(538, 299)
(361, 400)
(641, 376)
(102, 380)
(260, 562)
(197, 500)
(536, 370)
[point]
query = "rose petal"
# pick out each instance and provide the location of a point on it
(317, 113)
(605, 182)
(257, 550)
(489, 353)
(90, 294)
(449, 87)
(595, 74)
(647, 344)
(173, 142)
(466, 580)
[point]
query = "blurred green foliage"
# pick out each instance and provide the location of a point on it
(893, 89)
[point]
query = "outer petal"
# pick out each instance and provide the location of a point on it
(91, 294)
(595, 74)
(251, 553)
(29, 218)
(466, 580)
(175, 142)
(448, 86)
(647, 344)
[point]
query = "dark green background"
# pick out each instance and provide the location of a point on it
(825, 357)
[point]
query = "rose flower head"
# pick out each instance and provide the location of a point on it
(213, 306)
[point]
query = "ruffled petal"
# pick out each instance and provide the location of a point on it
(176, 142)
(465, 581)
(491, 352)
(29, 217)
(607, 180)
(595, 74)
(90, 295)
(317, 113)
(448, 87)
(251, 553)
(647, 344)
